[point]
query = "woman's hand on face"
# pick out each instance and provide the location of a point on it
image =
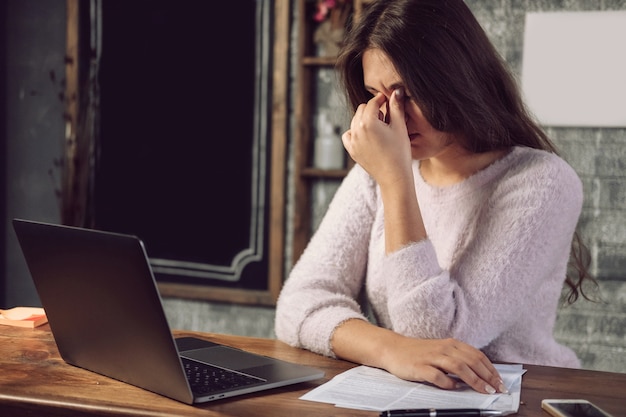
(380, 142)
(432, 360)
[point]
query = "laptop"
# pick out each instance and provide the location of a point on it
(106, 316)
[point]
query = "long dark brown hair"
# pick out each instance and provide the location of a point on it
(457, 78)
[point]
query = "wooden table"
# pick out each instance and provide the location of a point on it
(35, 381)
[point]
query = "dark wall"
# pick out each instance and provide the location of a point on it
(33, 41)
(3, 153)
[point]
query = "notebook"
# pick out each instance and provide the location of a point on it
(106, 316)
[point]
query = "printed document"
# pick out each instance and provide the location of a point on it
(368, 388)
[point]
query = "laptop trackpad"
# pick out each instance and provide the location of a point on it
(227, 357)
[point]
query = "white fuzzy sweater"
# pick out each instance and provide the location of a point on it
(490, 273)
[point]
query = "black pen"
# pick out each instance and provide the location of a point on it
(432, 412)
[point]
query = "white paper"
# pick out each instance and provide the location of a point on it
(367, 388)
(573, 68)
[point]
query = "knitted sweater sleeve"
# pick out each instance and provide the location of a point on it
(510, 264)
(323, 286)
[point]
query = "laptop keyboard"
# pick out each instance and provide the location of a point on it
(205, 379)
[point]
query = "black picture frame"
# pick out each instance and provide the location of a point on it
(189, 144)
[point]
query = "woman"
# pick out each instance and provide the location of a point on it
(456, 221)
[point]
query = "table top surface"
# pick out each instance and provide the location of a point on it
(35, 379)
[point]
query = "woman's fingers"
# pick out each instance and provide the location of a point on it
(369, 113)
(444, 363)
(395, 108)
(373, 108)
(483, 368)
(471, 376)
(360, 140)
(469, 365)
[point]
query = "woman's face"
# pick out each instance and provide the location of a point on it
(380, 76)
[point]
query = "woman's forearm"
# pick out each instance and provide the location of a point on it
(403, 218)
(371, 345)
(424, 360)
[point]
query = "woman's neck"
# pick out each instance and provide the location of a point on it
(456, 164)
